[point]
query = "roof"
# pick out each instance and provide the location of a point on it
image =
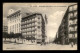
(29, 14)
(24, 13)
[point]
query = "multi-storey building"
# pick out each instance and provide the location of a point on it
(14, 21)
(33, 28)
(5, 29)
(67, 31)
(72, 23)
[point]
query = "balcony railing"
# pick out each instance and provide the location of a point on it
(73, 32)
(72, 18)
(72, 11)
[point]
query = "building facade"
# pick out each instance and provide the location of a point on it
(67, 31)
(14, 21)
(72, 23)
(33, 28)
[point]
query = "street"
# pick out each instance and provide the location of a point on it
(15, 46)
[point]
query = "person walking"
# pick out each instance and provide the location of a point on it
(71, 44)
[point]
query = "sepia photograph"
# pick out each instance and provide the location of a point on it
(40, 26)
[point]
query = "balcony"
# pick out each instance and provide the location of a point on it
(74, 10)
(23, 23)
(29, 29)
(22, 31)
(33, 28)
(72, 18)
(33, 25)
(72, 32)
(73, 25)
(22, 27)
(33, 33)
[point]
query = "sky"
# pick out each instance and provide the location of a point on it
(53, 11)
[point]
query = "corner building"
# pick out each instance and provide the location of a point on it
(33, 28)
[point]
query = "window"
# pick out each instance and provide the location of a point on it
(24, 25)
(38, 22)
(15, 20)
(17, 29)
(10, 28)
(30, 24)
(18, 14)
(38, 17)
(13, 26)
(38, 26)
(14, 15)
(76, 28)
(75, 21)
(30, 20)
(71, 29)
(19, 24)
(24, 21)
(73, 35)
(71, 22)
(70, 8)
(29, 36)
(75, 7)
(70, 35)
(71, 14)
(19, 19)
(75, 14)
(76, 35)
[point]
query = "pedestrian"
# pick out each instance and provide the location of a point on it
(71, 44)
(41, 43)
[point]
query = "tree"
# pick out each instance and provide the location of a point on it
(17, 35)
(5, 35)
(10, 36)
(22, 37)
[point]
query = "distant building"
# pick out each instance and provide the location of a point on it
(67, 31)
(5, 29)
(33, 28)
(14, 21)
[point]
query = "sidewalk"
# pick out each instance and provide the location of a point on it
(27, 45)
